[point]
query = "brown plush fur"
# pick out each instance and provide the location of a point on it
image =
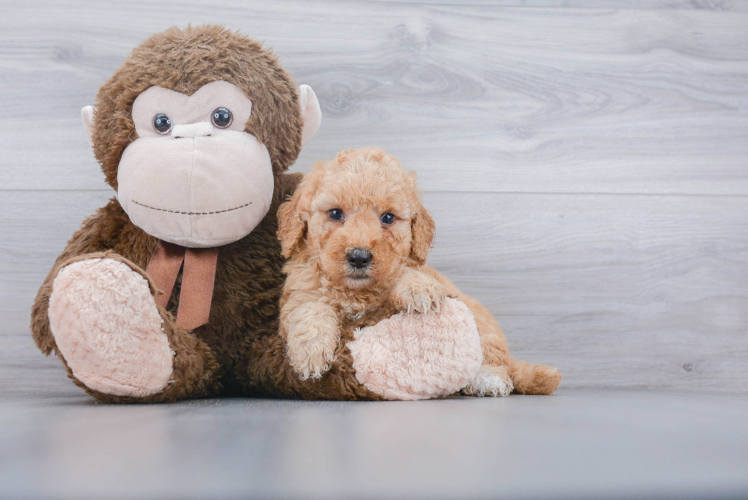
(239, 351)
(325, 295)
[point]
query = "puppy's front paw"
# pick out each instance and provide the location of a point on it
(311, 348)
(419, 292)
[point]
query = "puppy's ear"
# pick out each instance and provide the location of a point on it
(422, 227)
(291, 227)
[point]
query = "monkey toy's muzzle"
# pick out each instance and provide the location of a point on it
(201, 187)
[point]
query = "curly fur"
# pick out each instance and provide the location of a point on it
(324, 296)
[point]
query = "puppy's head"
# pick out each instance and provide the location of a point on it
(359, 217)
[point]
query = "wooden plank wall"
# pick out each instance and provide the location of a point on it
(586, 161)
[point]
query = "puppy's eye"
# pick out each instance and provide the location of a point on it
(162, 124)
(335, 214)
(222, 118)
(387, 218)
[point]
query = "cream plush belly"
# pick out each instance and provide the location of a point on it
(419, 356)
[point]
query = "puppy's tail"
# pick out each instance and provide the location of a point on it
(533, 379)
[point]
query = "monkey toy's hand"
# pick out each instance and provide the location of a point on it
(419, 292)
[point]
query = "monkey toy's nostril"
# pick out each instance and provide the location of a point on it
(202, 129)
(359, 258)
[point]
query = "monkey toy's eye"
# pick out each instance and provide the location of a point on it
(222, 118)
(162, 124)
(387, 218)
(335, 214)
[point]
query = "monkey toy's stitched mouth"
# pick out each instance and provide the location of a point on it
(191, 213)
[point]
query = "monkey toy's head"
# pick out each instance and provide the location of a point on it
(192, 130)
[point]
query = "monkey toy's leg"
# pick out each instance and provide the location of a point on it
(98, 313)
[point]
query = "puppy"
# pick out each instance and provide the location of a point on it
(356, 236)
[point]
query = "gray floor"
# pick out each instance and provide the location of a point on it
(580, 443)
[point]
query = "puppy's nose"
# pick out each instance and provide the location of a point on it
(359, 258)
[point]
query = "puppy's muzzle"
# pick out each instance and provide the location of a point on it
(359, 258)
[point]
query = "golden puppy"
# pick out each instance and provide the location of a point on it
(357, 238)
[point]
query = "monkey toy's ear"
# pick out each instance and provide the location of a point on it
(310, 112)
(87, 114)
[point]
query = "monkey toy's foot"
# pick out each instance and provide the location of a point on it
(108, 329)
(419, 356)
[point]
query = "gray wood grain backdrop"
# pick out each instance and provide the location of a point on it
(586, 161)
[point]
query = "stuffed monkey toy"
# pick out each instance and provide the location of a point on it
(172, 289)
